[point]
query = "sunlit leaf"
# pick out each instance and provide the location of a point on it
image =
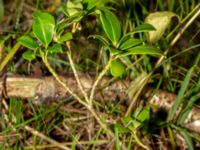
(161, 21)
(43, 27)
(114, 51)
(66, 37)
(73, 7)
(56, 48)
(117, 69)
(128, 122)
(145, 27)
(111, 25)
(60, 27)
(131, 42)
(28, 42)
(142, 49)
(140, 115)
(121, 128)
(29, 55)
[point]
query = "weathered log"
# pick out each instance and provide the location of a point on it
(46, 89)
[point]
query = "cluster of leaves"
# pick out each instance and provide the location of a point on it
(43, 31)
(50, 34)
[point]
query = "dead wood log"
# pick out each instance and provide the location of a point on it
(46, 89)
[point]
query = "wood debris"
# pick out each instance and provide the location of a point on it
(47, 89)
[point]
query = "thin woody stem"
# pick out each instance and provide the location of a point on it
(98, 79)
(77, 78)
(44, 58)
(103, 125)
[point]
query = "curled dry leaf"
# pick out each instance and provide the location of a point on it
(161, 21)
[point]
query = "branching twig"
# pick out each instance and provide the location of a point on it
(45, 60)
(77, 78)
(103, 125)
(98, 79)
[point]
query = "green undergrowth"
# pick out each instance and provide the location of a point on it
(152, 45)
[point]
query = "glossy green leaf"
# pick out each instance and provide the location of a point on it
(117, 69)
(101, 38)
(137, 120)
(73, 8)
(29, 55)
(43, 27)
(28, 42)
(90, 3)
(140, 115)
(66, 37)
(111, 25)
(121, 128)
(142, 49)
(56, 48)
(129, 43)
(145, 27)
(114, 51)
(161, 21)
(60, 27)
(128, 122)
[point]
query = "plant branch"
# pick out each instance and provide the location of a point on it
(98, 79)
(77, 78)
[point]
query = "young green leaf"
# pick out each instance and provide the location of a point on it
(66, 37)
(142, 49)
(29, 55)
(43, 27)
(90, 3)
(121, 128)
(161, 21)
(140, 115)
(56, 48)
(114, 51)
(28, 42)
(145, 27)
(73, 8)
(129, 43)
(117, 69)
(111, 25)
(101, 38)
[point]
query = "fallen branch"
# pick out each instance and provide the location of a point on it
(47, 89)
